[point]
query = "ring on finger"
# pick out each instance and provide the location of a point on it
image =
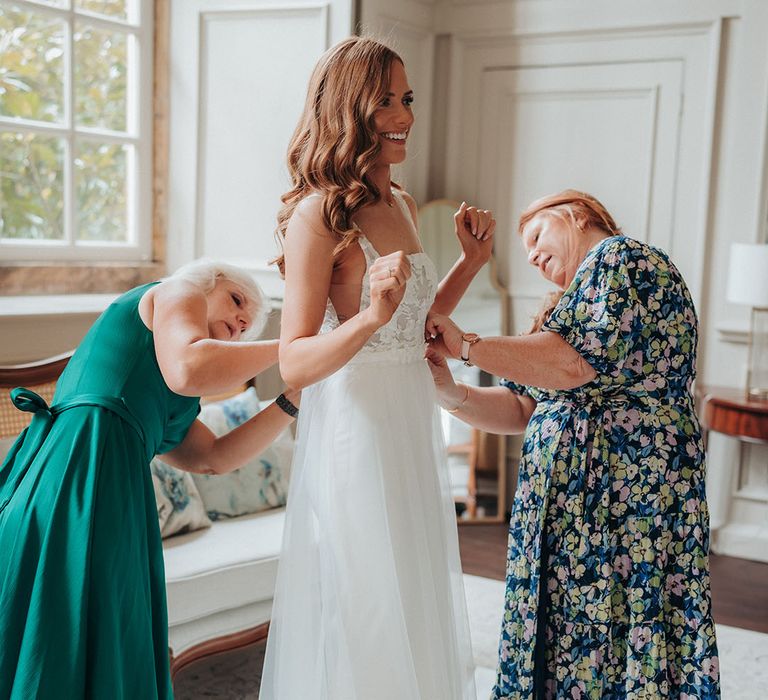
(391, 271)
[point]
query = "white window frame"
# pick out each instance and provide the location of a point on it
(139, 102)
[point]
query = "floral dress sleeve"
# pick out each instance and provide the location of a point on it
(600, 314)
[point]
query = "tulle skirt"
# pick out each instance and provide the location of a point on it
(369, 603)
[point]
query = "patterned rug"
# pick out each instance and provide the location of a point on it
(236, 675)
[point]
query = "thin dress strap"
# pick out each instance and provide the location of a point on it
(368, 250)
(397, 196)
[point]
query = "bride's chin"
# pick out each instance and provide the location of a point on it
(391, 158)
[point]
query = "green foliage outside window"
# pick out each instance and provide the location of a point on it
(33, 163)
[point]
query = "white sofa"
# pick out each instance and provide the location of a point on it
(220, 583)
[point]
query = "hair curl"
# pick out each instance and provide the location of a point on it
(335, 145)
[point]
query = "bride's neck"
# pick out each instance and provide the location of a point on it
(381, 177)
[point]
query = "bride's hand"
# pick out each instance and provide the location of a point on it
(388, 276)
(474, 229)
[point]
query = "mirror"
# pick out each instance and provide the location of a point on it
(476, 460)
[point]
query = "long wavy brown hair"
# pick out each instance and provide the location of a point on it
(335, 145)
(579, 210)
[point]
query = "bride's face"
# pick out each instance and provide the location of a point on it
(394, 117)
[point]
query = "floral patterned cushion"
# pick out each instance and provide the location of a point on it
(179, 505)
(260, 484)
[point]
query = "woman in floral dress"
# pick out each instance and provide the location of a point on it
(608, 576)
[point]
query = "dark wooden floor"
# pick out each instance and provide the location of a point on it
(739, 586)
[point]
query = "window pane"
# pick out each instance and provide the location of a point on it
(32, 65)
(100, 77)
(31, 187)
(100, 182)
(110, 8)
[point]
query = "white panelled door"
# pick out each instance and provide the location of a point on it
(625, 115)
(609, 130)
(238, 77)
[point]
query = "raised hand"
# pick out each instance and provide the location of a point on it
(475, 228)
(388, 276)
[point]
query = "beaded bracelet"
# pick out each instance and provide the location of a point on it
(287, 406)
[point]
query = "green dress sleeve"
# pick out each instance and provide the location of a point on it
(600, 313)
(181, 419)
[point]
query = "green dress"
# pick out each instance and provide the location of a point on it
(82, 584)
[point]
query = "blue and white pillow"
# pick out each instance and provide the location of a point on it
(179, 505)
(260, 484)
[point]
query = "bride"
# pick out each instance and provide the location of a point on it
(369, 603)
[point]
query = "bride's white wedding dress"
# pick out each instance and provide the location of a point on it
(369, 603)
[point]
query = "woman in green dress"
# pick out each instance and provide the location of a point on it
(608, 591)
(82, 584)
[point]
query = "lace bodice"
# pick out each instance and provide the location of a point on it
(403, 337)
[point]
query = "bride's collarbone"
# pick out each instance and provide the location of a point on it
(389, 231)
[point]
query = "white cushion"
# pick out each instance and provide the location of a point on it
(232, 564)
(261, 482)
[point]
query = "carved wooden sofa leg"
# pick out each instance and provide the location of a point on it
(231, 642)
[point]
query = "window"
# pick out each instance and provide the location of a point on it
(75, 130)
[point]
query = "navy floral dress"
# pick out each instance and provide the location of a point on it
(608, 575)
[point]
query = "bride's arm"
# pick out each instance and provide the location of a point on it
(474, 229)
(305, 356)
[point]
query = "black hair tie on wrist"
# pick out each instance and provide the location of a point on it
(287, 406)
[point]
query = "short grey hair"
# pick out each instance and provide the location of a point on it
(204, 274)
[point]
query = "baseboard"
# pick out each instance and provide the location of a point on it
(743, 541)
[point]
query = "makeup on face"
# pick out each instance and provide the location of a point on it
(394, 118)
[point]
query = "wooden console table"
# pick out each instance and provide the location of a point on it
(728, 411)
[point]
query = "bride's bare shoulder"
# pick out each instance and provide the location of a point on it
(307, 222)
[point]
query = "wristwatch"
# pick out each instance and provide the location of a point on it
(467, 340)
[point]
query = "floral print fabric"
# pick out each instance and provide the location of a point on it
(607, 576)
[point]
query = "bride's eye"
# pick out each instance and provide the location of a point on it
(238, 301)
